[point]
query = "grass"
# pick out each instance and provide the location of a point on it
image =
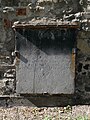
(82, 118)
(47, 118)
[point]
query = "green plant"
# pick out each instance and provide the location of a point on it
(82, 118)
(47, 118)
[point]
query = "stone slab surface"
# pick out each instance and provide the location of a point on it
(43, 66)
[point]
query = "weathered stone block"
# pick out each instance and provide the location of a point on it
(83, 45)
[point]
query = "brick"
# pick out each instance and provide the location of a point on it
(21, 12)
(7, 23)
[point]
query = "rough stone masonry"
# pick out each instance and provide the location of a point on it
(11, 11)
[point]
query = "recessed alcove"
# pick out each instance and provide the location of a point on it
(47, 59)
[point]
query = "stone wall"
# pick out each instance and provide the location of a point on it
(25, 10)
(83, 67)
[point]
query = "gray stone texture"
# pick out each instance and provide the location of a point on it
(26, 10)
(45, 66)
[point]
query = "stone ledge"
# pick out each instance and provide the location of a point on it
(7, 67)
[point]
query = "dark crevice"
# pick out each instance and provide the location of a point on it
(79, 67)
(86, 66)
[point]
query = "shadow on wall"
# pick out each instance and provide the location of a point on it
(43, 101)
(49, 41)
